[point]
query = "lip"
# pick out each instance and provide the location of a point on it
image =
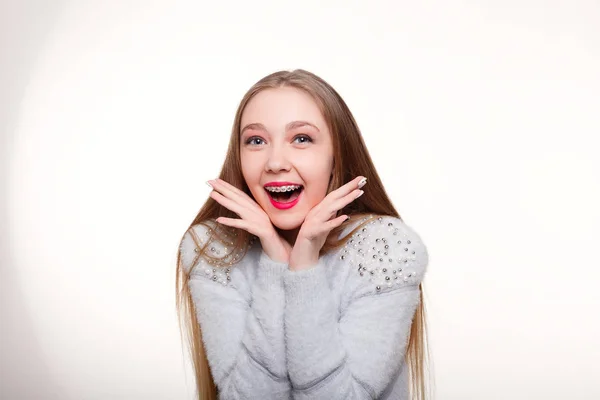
(285, 206)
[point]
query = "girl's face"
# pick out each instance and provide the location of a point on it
(284, 139)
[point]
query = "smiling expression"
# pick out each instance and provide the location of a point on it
(285, 139)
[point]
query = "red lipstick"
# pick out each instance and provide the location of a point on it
(279, 205)
(285, 206)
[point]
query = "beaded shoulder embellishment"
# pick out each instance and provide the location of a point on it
(388, 254)
(219, 259)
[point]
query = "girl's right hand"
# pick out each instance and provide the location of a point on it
(253, 219)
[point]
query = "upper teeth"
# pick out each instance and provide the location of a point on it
(282, 188)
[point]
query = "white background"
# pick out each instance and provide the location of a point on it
(482, 119)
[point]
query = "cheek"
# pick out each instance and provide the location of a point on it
(251, 167)
(316, 166)
(316, 174)
(251, 172)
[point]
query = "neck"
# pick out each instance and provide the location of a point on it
(289, 236)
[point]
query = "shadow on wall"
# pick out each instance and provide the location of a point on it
(24, 373)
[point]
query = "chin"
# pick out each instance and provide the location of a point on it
(287, 222)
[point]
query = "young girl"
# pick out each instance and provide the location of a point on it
(298, 278)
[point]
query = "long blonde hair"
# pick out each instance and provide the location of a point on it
(351, 159)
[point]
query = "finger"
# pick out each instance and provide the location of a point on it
(333, 200)
(334, 223)
(225, 202)
(233, 222)
(230, 192)
(347, 188)
(233, 193)
(344, 201)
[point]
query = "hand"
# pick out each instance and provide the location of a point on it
(253, 219)
(318, 224)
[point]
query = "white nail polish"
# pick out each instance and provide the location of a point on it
(362, 182)
(360, 193)
(209, 185)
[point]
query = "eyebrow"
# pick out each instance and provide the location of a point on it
(290, 126)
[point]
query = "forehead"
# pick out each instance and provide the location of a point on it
(276, 107)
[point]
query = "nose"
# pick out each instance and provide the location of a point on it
(277, 161)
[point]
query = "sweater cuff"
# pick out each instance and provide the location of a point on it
(306, 286)
(270, 273)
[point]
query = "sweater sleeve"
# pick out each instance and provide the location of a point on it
(241, 322)
(358, 355)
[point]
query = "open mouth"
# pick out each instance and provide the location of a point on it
(287, 196)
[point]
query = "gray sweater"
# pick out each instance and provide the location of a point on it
(338, 330)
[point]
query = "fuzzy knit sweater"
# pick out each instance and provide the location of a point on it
(338, 330)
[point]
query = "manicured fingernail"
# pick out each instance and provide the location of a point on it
(208, 183)
(360, 193)
(347, 219)
(362, 182)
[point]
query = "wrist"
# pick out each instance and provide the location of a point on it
(303, 258)
(274, 249)
(297, 264)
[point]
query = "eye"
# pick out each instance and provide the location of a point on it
(307, 138)
(249, 141)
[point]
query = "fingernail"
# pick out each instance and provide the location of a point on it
(362, 182)
(347, 219)
(208, 183)
(360, 193)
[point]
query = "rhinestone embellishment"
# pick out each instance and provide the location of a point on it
(220, 256)
(399, 268)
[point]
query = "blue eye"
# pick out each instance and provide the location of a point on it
(251, 139)
(308, 138)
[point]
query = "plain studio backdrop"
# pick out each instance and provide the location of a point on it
(481, 117)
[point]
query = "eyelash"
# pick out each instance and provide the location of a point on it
(299, 136)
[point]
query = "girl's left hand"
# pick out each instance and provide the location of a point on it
(318, 224)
